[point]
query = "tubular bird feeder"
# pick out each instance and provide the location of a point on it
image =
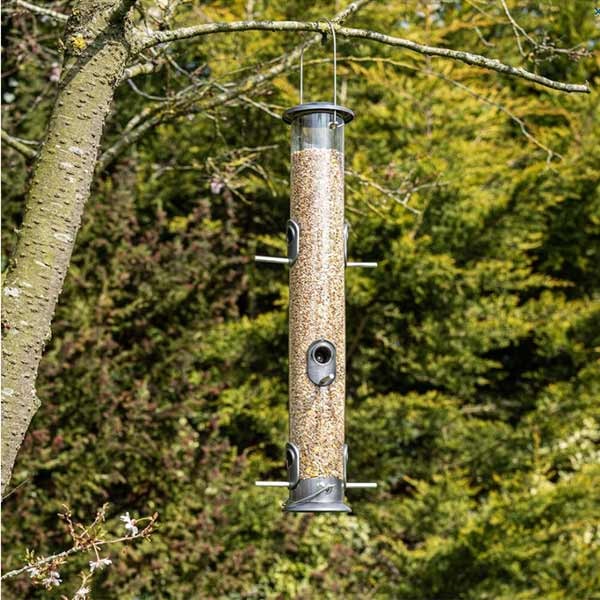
(317, 237)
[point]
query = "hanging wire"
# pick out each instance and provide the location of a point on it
(334, 123)
(334, 71)
(302, 75)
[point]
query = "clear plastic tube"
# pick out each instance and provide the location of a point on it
(317, 296)
(318, 130)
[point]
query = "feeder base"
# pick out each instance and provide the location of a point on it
(317, 494)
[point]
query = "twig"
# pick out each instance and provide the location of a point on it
(140, 69)
(76, 548)
(260, 105)
(179, 106)
(483, 40)
(41, 562)
(18, 145)
(575, 52)
(550, 153)
(137, 90)
(517, 29)
(364, 180)
(437, 74)
(477, 60)
(17, 487)
(40, 10)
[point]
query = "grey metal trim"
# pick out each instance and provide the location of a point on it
(292, 463)
(317, 494)
(293, 240)
(316, 107)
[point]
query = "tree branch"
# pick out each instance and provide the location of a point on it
(538, 48)
(84, 542)
(394, 195)
(549, 152)
(18, 145)
(476, 60)
(145, 68)
(41, 562)
(517, 29)
(182, 104)
(73, 550)
(431, 73)
(40, 10)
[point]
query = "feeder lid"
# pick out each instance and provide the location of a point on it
(317, 107)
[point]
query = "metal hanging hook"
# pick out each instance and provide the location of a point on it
(332, 29)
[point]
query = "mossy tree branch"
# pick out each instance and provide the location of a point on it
(476, 60)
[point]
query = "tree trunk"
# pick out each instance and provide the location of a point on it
(96, 50)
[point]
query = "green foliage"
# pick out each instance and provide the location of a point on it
(473, 367)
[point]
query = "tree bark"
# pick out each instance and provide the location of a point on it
(96, 51)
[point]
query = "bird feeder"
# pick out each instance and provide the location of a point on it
(317, 236)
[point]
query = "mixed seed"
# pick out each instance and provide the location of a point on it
(317, 309)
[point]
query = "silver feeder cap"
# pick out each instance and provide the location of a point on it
(317, 107)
